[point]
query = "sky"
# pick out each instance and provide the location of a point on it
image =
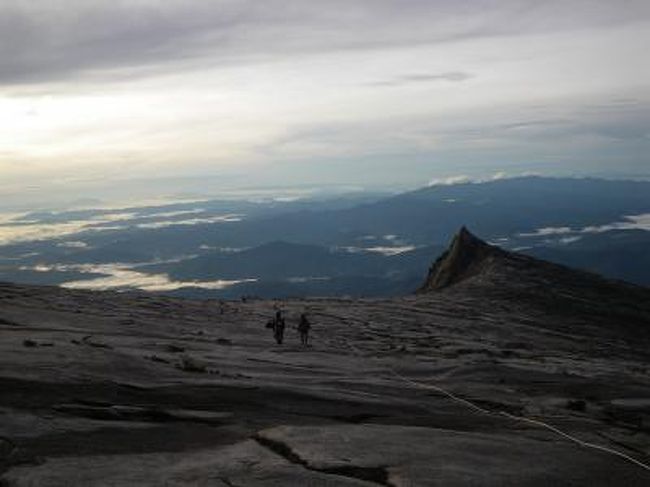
(106, 97)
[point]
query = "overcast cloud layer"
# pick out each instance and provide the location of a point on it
(293, 92)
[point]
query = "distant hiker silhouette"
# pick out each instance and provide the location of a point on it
(303, 328)
(278, 327)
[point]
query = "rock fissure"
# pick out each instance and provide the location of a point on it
(116, 412)
(227, 481)
(378, 475)
(12, 455)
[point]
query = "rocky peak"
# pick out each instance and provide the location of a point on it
(466, 256)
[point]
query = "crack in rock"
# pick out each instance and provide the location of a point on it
(12, 455)
(116, 412)
(224, 480)
(376, 475)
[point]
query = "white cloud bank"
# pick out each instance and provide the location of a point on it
(125, 276)
(630, 222)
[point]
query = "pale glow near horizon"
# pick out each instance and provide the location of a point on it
(483, 98)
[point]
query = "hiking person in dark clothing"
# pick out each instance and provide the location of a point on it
(278, 327)
(303, 328)
(279, 331)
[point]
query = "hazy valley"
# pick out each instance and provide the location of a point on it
(357, 245)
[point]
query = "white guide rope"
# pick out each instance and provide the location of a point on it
(479, 409)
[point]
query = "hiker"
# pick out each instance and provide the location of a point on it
(303, 328)
(279, 330)
(278, 327)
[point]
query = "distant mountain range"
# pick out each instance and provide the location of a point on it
(622, 254)
(284, 269)
(360, 245)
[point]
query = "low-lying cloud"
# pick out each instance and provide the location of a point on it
(126, 276)
(630, 222)
(452, 76)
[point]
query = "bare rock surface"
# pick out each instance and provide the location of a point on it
(134, 389)
(408, 455)
(243, 464)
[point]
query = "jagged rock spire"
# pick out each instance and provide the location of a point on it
(464, 258)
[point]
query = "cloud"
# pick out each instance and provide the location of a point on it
(125, 276)
(630, 222)
(547, 231)
(450, 180)
(73, 244)
(289, 92)
(464, 179)
(20, 230)
(45, 41)
(451, 76)
(192, 221)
